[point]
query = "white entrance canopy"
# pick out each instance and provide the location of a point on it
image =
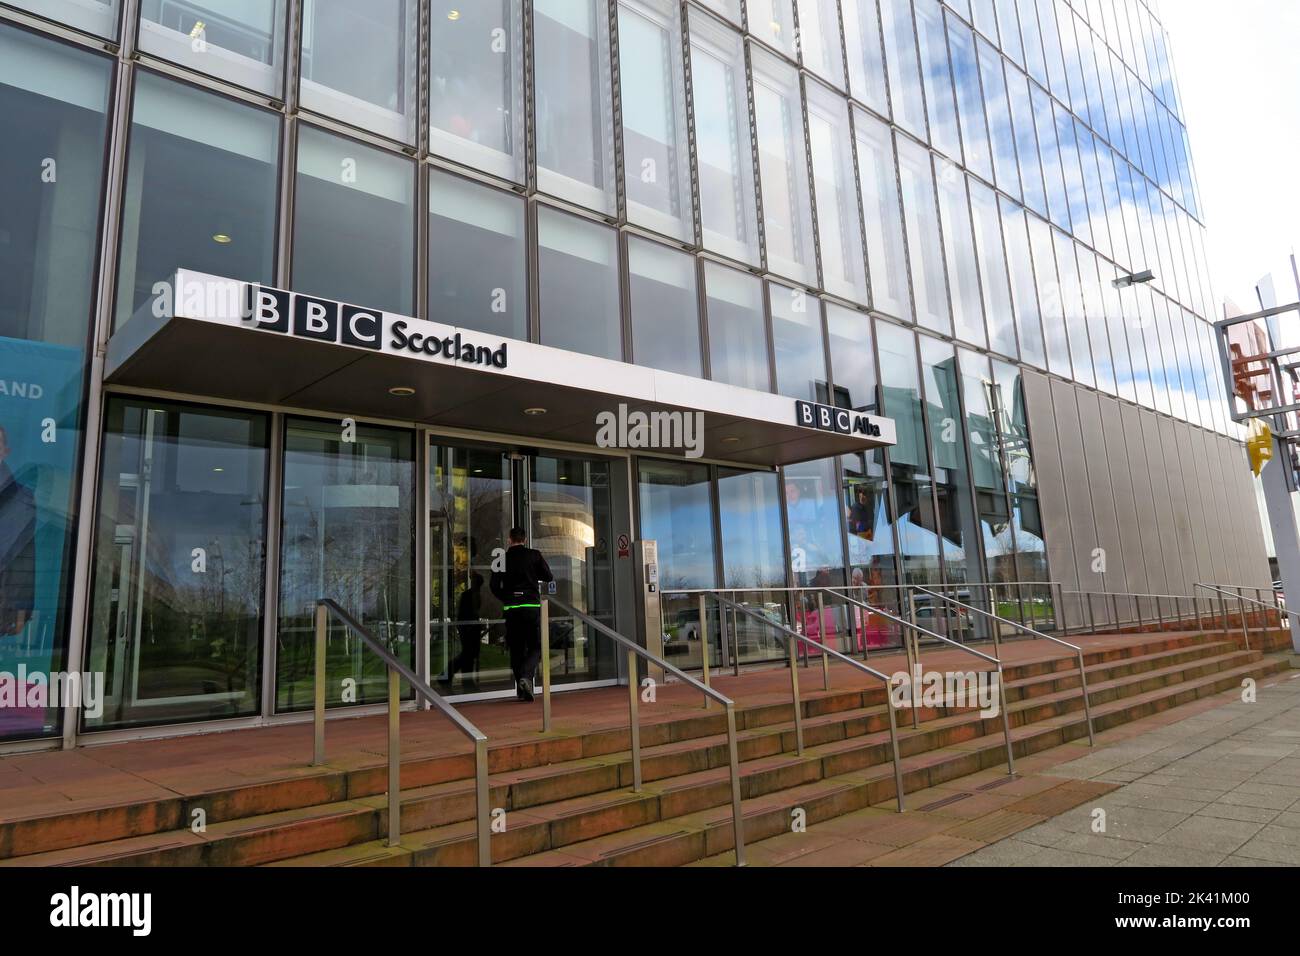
(229, 339)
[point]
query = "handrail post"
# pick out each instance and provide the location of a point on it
(735, 645)
(704, 645)
(394, 758)
(1245, 628)
(733, 759)
(318, 706)
(1223, 609)
(794, 695)
(546, 665)
(1087, 703)
(633, 693)
(482, 809)
(913, 667)
(893, 745)
(1006, 721)
(821, 637)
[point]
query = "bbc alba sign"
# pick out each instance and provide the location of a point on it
(829, 418)
(323, 320)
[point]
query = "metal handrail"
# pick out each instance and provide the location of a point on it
(1083, 676)
(1222, 591)
(397, 672)
(635, 650)
(913, 650)
(794, 683)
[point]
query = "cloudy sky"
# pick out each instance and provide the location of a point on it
(1239, 77)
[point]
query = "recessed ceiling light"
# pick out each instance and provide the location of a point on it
(534, 411)
(218, 469)
(453, 14)
(401, 391)
(222, 238)
(730, 440)
(478, 471)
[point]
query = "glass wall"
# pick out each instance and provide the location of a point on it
(348, 533)
(98, 17)
(886, 252)
(738, 353)
(478, 252)
(656, 164)
(354, 234)
(924, 244)
(201, 187)
(53, 101)
(797, 343)
(665, 310)
(575, 148)
(783, 163)
(476, 84)
(753, 557)
(177, 602)
(242, 43)
(838, 229)
(359, 63)
(576, 254)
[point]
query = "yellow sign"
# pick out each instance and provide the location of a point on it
(1259, 445)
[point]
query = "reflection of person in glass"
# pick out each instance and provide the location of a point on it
(862, 515)
(469, 629)
(17, 547)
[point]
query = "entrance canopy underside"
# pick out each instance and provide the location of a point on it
(228, 339)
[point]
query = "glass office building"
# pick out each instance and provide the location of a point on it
(911, 209)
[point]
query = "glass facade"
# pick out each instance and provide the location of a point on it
(895, 206)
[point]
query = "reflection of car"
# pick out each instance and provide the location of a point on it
(684, 628)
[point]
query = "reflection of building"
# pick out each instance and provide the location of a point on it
(929, 238)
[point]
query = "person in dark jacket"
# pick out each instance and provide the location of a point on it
(17, 548)
(521, 602)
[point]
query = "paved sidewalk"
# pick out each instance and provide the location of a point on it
(1218, 788)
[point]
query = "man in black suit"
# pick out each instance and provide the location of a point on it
(521, 601)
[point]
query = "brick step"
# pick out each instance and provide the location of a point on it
(451, 801)
(1022, 688)
(548, 837)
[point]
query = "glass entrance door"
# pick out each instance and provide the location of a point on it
(477, 492)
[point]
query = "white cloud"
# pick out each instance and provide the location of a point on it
(1239, 79)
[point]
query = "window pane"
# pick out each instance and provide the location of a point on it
(838, 227)
(772, 21)
(359, 63)
(53, 99)
(349, 535)
(783, 163)
(1022, 112)
(354, 228)
(1058, 203)
(925, 251)
(1049, 294)
(242, 43)
(797, 340)
(1027, 520)
(1004, 139)
(1076, 323)
(665, 312)
(476, 84)
(987, 476)
(904, 68)
(866, 61)
(819, 39)
(1098, 336)
(655, 160)
(576, 254)
(571, 70)
(677, 513)
(1097, 226)
(477, 256)
(1076, 198)
(938, 78)
(1009, 30)
(92, 16)
(970, 103)
(812, 512)
(917, 525)
(177, 602)
(204, 170)
(728, 213)
(883, 217)
(1035, 64)
(853, 358)
(1024, 293)
(959, 250)
(957, 528)
(993, 269)
(753, 553)
(737, 333)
